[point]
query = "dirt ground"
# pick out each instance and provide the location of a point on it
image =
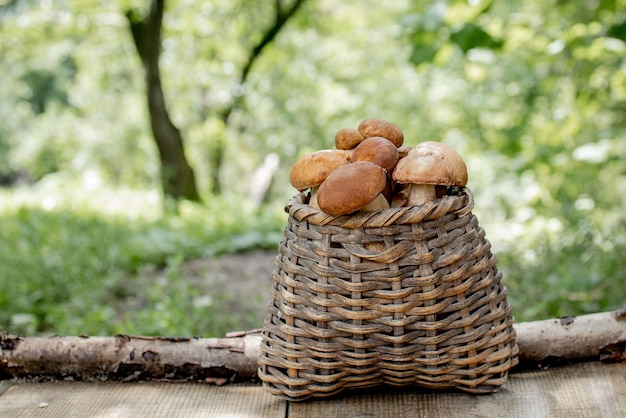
(244, 278)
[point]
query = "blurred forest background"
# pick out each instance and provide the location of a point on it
(532, 93)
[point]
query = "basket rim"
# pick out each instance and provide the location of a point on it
(449, 204)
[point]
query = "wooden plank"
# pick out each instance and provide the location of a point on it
(4, 386)
(102, 400)
(590, 389)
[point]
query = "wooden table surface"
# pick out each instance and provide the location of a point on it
(589, 389)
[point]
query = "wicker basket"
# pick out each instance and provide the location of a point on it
(403, 296)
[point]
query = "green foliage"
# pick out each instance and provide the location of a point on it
(568, 272)
(543, 87)
(471, 36)
(73, 261)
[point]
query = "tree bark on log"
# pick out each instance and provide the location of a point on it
(131, 358)
(600, 336)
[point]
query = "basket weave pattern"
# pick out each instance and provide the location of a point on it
(403, 296)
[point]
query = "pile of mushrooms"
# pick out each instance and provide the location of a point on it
(371, 169)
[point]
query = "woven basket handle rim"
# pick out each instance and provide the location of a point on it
(458, 205)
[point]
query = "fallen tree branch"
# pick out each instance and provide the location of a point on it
(600, 336)
(129, 358)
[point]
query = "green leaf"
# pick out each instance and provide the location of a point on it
(473, 36)
(606, 6)
(618, 31)
(423, 53)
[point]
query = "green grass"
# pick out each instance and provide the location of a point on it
(71, 265)
(75, 260)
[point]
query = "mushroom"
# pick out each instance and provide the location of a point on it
(404, 150)
(400, 197)
(351, 187)
(380, 202)
(429, 164)
(311, 170)
(379, 127)
(378, 150)
(348, 138)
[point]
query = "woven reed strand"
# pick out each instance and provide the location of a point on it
(406, 296)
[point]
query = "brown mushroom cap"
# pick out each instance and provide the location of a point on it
(312, 169)
(378, 150)
(348, 138)
(379, 127)
(431, 163)
(404, 150)
(351, 187)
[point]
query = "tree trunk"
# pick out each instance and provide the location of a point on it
(177, 177)
(600, 336)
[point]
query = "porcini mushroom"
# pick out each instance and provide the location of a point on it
(348, 138)
(428, 164)
(378, 150)
(379, 127)
(351, 187)
(380, 202)
(310, 170)
(404, 150)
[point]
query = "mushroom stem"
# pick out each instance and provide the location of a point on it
(379, 203)
(401, 195)
(421, 193)
(313, 197)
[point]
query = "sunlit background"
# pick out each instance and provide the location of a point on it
(532, 94)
